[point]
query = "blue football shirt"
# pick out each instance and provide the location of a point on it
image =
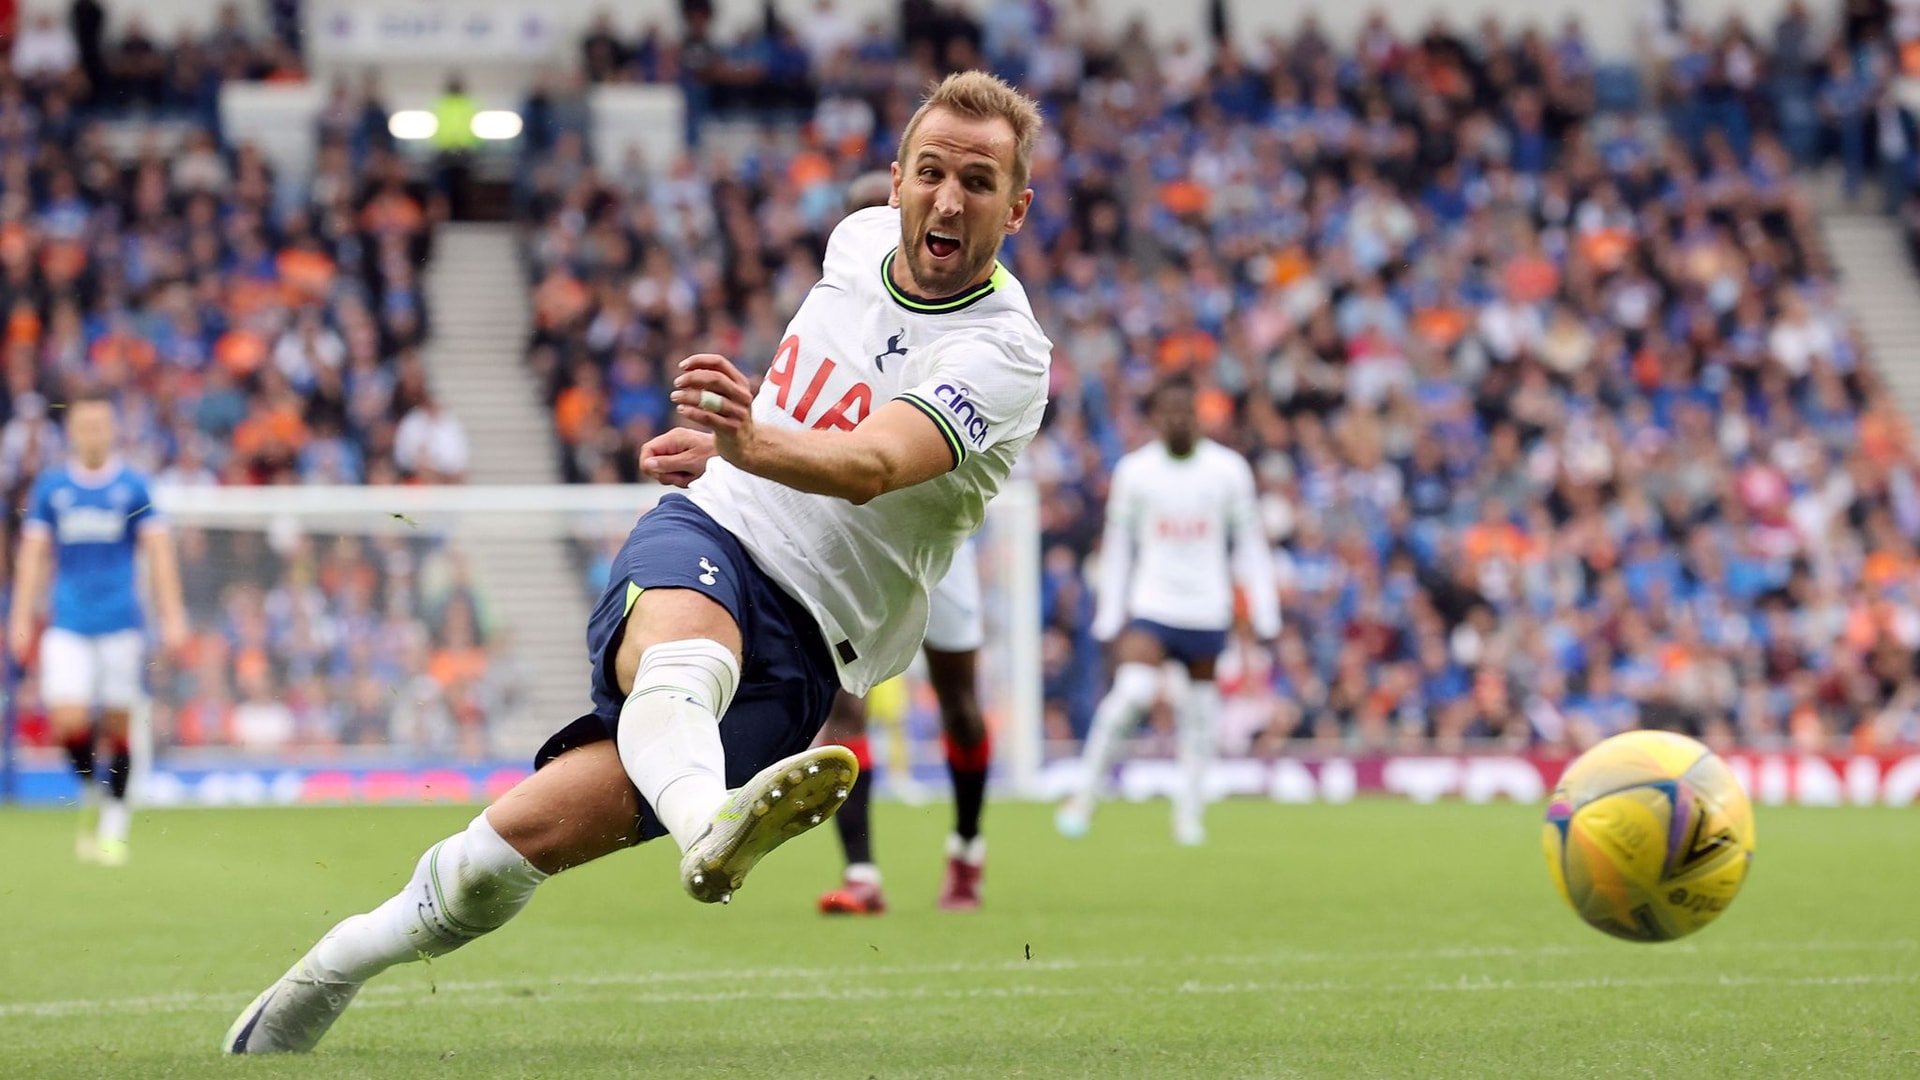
(95, 519)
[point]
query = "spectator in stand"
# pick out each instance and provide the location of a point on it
(430, 445)
(602, 55)
(87, 21)
(45, 52)
(254, 331)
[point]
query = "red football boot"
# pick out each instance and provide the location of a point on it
(966, 860)
(859, 895)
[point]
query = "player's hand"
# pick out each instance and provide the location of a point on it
(174, 635)
(713, 393)
(20, 640)
(677, 457)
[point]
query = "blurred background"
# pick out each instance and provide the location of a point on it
(1573, 348)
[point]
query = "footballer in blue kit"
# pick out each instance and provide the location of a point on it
(87, 523)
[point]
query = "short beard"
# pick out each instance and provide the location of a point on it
(936, 290)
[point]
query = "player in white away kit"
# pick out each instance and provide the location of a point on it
(87, 522)
(955, 632)
(1182, 527)
(819, 511)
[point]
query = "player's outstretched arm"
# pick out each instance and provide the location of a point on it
(896, 447)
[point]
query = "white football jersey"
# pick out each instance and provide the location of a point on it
(1179, 532)
(975, 364)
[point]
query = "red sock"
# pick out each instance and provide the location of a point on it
(862, 752)
(975, 758)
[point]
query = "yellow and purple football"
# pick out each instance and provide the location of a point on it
(1648, 836)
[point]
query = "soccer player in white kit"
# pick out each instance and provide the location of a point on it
(819, 512)
(955, 632)
(1182, 528)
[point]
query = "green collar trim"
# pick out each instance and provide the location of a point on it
(922, 306)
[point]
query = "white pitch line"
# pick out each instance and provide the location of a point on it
(488, 991)
(1190, 987)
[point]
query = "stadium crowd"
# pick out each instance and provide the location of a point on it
(1558, 425)
(254, 329)
(333, 642)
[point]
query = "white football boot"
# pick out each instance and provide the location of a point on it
(784, 800)
(1188, 831)
(1074, 818)
(290, 1016)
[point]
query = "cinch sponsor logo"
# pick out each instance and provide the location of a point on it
(957, 402)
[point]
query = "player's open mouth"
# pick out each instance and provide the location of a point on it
(942, 245)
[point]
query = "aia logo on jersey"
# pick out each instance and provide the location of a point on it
(845, 414)
(894, 348)
(1181, 530)
(957, 403)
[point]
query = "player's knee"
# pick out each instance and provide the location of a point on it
(68, 721)
(701, 668)
(114, 722)
(662, 616)
(1136, 646)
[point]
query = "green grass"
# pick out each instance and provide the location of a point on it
(1376, 939)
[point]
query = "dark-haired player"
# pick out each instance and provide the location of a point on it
(1182, 529)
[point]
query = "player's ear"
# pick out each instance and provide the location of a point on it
(1017, 213)
(893, 190)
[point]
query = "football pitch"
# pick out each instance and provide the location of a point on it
(1372, 939)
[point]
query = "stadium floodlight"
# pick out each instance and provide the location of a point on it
(413, 124)
(495, 125)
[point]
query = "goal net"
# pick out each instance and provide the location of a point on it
(356, 643)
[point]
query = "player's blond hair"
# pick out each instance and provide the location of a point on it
(978, 95)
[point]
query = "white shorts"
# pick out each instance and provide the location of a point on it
(90, 670)
(954, 620)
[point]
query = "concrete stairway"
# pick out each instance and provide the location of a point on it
(482, 315)
(1881, 290)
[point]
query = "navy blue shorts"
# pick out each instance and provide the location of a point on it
(1190, 647)
(787, 677)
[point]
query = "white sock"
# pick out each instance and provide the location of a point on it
(116, 820)
(669, 736)
(972, 852)
(863, 873)
(1134, 687)
(1198, 717)
(464, 886)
